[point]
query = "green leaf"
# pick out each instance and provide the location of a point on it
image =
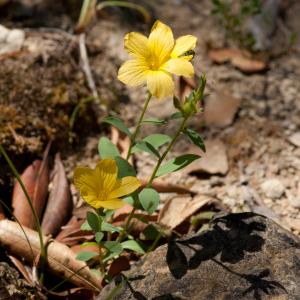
(108, 227)
(150, 233)
(85, 226)
(146, 147)
(176, 115)
(157, 140)
(107, 149)
(89, 244)
(176, 164)
(129, 200)
(195, 138)
(134, 246)
(154, 121)
(118, 123)
(149, 198)
(93, 220)
(86, 255)
(124, 168)
(99, 236)
(114, 249)
(108, 213)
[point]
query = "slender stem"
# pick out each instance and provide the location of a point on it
(137, 128)
(37, 221)
(170, 146)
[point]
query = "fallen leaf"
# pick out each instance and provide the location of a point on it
(165, 187)
(220, 109)
(176, 210)
(240, 59)
(61, 259)
(35, 179)
(71, 234)
(118, 265)
(79, 248)
(59, 203)
(213, 161)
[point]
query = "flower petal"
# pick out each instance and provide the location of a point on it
(136, 44)
(161, 42)
(125, 186)
(133, 72)
(111, 204)
(85, 180)
(107, 172)
(184, 44)
(160, 84)
(179, 66)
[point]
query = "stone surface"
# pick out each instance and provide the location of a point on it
(241, 256)
(273, 188)
(295, 139)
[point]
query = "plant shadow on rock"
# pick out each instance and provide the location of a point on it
(231, 238)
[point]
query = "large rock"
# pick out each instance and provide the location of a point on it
(241, 256)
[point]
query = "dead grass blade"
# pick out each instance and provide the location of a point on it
(35, 179)
(59, 203)
(61, 259)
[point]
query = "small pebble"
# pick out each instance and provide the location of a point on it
(273, 188)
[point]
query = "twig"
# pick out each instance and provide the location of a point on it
(86, 67)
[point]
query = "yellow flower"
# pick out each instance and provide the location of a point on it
(156, 58)
(100, 187)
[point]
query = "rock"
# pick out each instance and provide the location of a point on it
(10, 40)
(295, 139)
(241, 256)
(220, 109)
(214, 161)
(273, 188)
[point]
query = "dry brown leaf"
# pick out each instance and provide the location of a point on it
(220, 109)
(118, 265)
(240, 59)
(214, 161)
(20, 266)
(178, 209)
(59, 203)
(248, 65)
(165, 187)
(71, 234)
(61, 259)
(35, 179)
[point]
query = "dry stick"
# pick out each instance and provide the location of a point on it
(86, 67)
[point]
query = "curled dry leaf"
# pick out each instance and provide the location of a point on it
(178, 209)
(61, 259)
(240, 59)
(71, 234)
(35, 179)
(165, 187)
(59, 203)
(119, 265)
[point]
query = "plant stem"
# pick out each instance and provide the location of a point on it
(137, 128)
(37, 221)
(170, 146)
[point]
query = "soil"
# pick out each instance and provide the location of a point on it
(42, 84)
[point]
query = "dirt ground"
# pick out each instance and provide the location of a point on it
(259, 147)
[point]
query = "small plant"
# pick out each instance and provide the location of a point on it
(113, 183)
(233, 18)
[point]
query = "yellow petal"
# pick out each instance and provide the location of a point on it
(107, 172)
(160, 84)
(133, 72)
(179, 66)
(136, 44)
(125, 186)
(184, 44)
(85, 180)
(89, 198)
(161, 42)
(111, 204)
